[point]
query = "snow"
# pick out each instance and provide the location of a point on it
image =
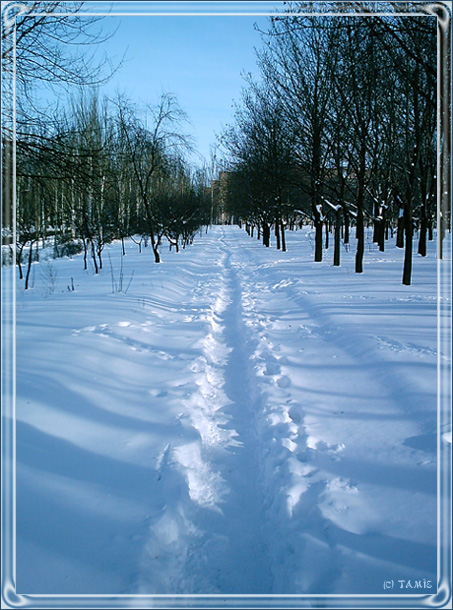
(241, 421)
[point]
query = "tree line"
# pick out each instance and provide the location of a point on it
(105, 176)
(87, 170)
(340, 129)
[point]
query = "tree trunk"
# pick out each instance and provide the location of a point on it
(337, 238)
(318, 241)
(19, 261)
(156, 254)
(346, 224)
(360, 241)
(381, 231)
(277, 233)
(282, 228)
(100, 256)
(155, 243)
(30, 260)
(381, 236)
(423, 232)
(266, 234)
(440, 234)
(85, 253)
(93, 252)
(376, 223)
(407, 271)
(400, 229)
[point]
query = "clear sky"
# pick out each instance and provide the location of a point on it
(198, 58)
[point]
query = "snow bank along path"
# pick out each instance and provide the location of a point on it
(240, 421)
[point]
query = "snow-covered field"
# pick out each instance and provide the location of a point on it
(240, 421)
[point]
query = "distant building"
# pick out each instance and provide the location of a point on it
(219, 192)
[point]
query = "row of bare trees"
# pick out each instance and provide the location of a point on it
(116, 174)
(87, 170)
(340, 130)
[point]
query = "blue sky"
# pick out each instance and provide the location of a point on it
(198, 58)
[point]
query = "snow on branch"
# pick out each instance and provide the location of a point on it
(320, 212)
(303, 214)
(336, 208)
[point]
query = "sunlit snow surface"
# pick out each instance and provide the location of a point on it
(242, 420)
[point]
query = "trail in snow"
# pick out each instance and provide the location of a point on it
(242, 421)
(245, 565)
(221, 537)
(285, 504)
(329, 399)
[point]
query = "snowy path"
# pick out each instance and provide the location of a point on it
(224, 548)
(242, 421)
(244, 521)
(291, 518)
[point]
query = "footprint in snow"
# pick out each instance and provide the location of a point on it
(340, 484)
(324, 447)
(295, 414)
(284, 382)
(92, 329)
(272, 368)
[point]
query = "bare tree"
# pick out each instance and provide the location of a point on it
(260, 151)
(148, 143)
(50, 45)
(299, 61)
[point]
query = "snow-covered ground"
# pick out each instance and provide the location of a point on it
(240, 421)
